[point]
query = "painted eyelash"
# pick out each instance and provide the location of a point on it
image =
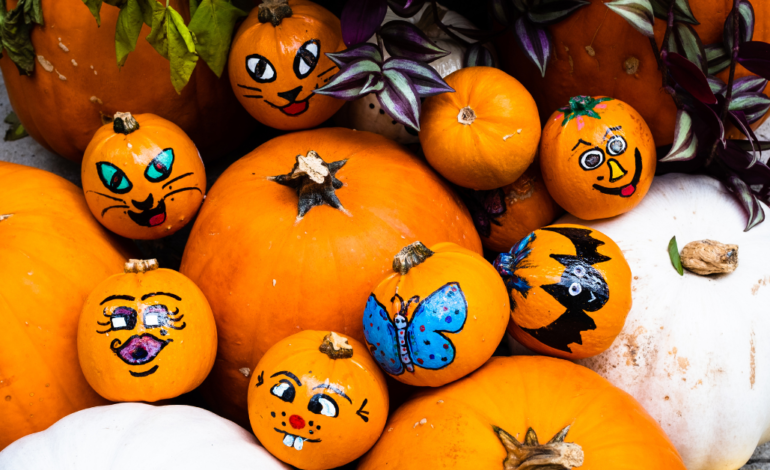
(104, 313)
(170, 316)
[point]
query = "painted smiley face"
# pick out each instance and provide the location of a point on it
(607, 157)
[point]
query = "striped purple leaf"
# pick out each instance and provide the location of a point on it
(403, 39)
(746, 198)
(749, 84)
(689, 76)
(754, 105)
(545, 12)
(755, 56)
(717, 57)
(360, 19)
(638, 13)
(351, 80)
(478, 55)
(738, 118)
(534, 41)
(682, 11)
(745, 14)
(718, 87)
(400, 99)
(427, 82)
(361, 51)
(685, 145)
(405, 8)
(685, 41)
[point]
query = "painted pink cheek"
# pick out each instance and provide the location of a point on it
(628, 190)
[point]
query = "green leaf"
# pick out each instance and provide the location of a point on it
(33, 12)
(158, 37)
(638, 13)
(193, 8)
(16, 131)
(95, 6)
(16, 40)
(673, 253)
(213, 26)
(130, 22)
(171, 38)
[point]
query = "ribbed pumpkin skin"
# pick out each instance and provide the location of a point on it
(53, 253)
(267, 276)
(515, 393)
(60, 114)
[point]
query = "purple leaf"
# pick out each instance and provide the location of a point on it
(373, 84)
(708, 126)
(638, 13)
(717, 58)
(476, 34)
(349, 82)
(755, 56)
(477, 55)
(427, 82)
(689, 76)
(501, 11)
(745, 145)
(685, 41)
(362, 51)
(738, 118)
(745, 14)
(738, 158)
(360, 19)
(754, 105)
(403, 39)
(682, 11)
(685, 144)
(534, 41)
(749, 84)
(494, 203)
(545, 12)
(749, 202)
(405, 8)
(718, 87)
(400, 100)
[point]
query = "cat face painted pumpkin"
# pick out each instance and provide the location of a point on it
(278, 60)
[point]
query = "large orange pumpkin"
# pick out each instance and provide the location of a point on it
(272, 263)
(524, 413)
(77, 82)
(53, 254)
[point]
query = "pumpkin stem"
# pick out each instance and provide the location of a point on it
(140, 265)
(410, 256)
(531, 455)
(336, 347)
(124, 123)
(3, 217)
(274, 11)
(706, 257)
(466, 116)
(315, 182)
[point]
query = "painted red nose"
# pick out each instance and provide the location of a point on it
(296, 422)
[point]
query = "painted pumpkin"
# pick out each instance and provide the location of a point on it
(597, 157)
(438, 317)
(146, 335)
(317, 400)
(53, 254)
(524, 413)
(143, 177)
(570, 290)
(321, 237)
(278, 59)
(485, 134)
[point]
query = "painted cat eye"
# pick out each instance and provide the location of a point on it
(284, 390)
(307, 58)
(322, 404)
(160, 166)
(113, 178)
(260, 69)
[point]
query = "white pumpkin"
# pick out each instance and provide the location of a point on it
(128, 436)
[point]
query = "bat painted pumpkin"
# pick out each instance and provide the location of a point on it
(570, 289)
(146, 335)
(597, 156)
(142, 177)
(317, 400)
(438, 317)
(278, 60)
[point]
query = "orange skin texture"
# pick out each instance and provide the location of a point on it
(268, 276)
(279, 45)
(529, 206)
(133, 153)
(571, 186)
(344, 437)
(60, 114)
(182, 363)
(54, 253)
(516, 393)
(485, 295)
(491, 152)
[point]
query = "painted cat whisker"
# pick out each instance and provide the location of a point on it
(114, 207)
(326, 71)
(108, 197)
(182, 190)
(249, 87)
(253, 96)
(177, 179)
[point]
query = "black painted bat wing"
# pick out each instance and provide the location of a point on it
(564, 331)
(585, 244)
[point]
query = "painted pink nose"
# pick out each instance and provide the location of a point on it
(296, 422)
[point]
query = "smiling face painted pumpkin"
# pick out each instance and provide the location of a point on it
(317, 400)
(278, 60)
(142, 177)
(598, 157)
(146, 335)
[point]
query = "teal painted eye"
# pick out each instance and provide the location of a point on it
(113, 178)
(160, 166)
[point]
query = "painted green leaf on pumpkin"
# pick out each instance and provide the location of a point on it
(213, 24)
(172, 39)
(673, 253)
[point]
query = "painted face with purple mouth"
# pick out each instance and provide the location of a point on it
(139, 350)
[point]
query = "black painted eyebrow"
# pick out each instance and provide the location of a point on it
(581, 141)
(116, 297)
(289, 375)
(335, 390)
(611, 129)
(147, 296)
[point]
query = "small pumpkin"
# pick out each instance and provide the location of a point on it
(557, 276)
(485, 134)
(438, 317)
(278, 59)
(317, 400)
(142, 177)
(597, 157)
(146, 335)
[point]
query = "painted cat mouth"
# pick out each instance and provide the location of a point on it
(629, 189)
(139, 350)
(295, 108)
(150, 217)
(297, 442)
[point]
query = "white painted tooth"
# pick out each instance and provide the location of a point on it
(298, 443)
(288, 441)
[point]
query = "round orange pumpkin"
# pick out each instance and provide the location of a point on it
(597, 157)
(53, 254)
(278, 60)
(557, 276)
(278, 249)
(317, 400)
(438, 317)
(524, 412)
(485, 134)
(146, 335)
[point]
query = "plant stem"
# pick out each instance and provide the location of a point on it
(664, 47)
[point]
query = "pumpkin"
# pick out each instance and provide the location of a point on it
(142, 177)
(438, 317)
(485, 134)
(317, 400)
(77, 83)
(556, 276)
(597, 157)
(498, 416)
(278, 60)
(53, 254)
(114, 436)
(132, 333)
(333, 209)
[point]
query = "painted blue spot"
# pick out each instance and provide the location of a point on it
(432, 356)
(448, 319)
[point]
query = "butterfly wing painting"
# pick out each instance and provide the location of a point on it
(381, 336)
(444, 311)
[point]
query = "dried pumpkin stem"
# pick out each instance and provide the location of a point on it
(706, 257)
(466, 116)
(5, 216)
(531, 455)
(124, 123)
(274, 11)
(410, 256)
(315, 182)
(140, 265)
(336, 347)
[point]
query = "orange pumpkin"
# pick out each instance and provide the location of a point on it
(485, 134)
(597, 157)
(143, 177)
(524, 412)
(317, 400)
(438, 317)
(278, 60)
(557, 276)
(53, 254)
(146, 335)
(310, 252)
